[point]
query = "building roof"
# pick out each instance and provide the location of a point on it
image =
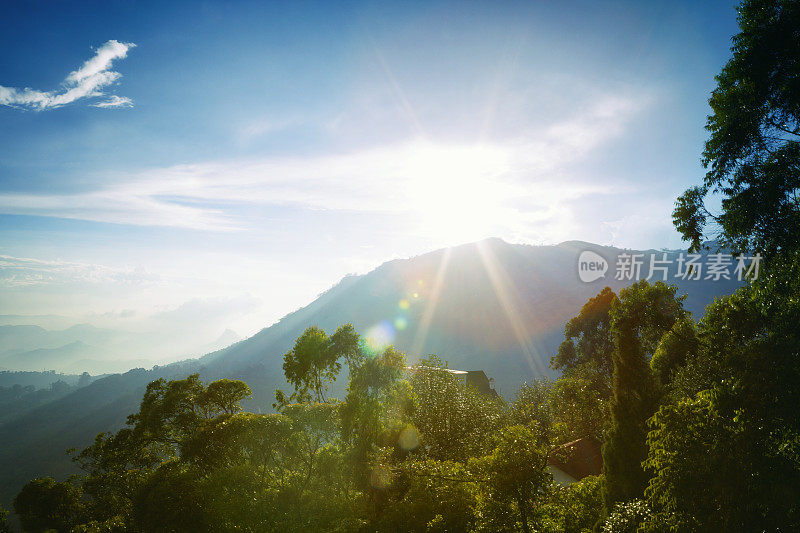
(579, 458)
(450, 370)
(475, 378)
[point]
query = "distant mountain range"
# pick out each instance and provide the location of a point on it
(490, 305)
(81, 348)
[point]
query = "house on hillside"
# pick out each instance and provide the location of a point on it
(575, 460)
(474, 378)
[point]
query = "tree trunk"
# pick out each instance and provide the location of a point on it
(523, 515)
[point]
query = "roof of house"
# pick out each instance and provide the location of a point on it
(579, 458)
(476, 378)
(440, 369)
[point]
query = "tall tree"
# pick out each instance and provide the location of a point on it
(313, 362)
(674, 349)
(753, 152)
(588, 344)
(639, 318)
(172, 418)
(580, 398)
(372, 413)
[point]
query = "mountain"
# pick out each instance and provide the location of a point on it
(86, 348)
(37, 380)
(29, 337)
(74, 357)
(490, 305)
(44, 358)
(227, 338)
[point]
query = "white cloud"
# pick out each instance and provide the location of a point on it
(523, 187)
(115, 101)
(86, 82)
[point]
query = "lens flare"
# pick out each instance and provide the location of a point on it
(400, 323)
(380, 336)
(404, 304)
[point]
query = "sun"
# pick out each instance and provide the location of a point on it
(458, 193)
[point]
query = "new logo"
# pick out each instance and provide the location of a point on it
(591, 266)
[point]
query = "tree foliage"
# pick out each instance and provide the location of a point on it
(313, 361)
(639, 319)
(753, 151)
(44, 505)
(588, 343)
(455, 421)
(724, 452)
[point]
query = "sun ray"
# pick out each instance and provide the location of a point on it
(430, 306)
(500, 284)
(398, 93)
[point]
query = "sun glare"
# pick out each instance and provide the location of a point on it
(457, 192)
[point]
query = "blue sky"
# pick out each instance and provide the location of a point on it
(257, 152)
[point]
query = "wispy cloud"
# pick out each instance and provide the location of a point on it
(507, 181)
(86, 82)
(115, 101)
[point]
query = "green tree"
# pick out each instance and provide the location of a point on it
(627, 517)
(725, 455)
(114, 466)
(739, 394)
(313, 362)
(579, 409)
(275, 472)
(533, 405)
(224, 396)
(578, 507)
(316, 426)
(171, 499)
(455, 421)
(174, 418)
(588, 343)
(431, 495)
(675, 349)
(44, 504)
(516, 474)
(640, 317)
(372, 419)
(580, 398)
(172, 411)
(753, 151)
(693, 483)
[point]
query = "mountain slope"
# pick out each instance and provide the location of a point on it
(489, 305)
